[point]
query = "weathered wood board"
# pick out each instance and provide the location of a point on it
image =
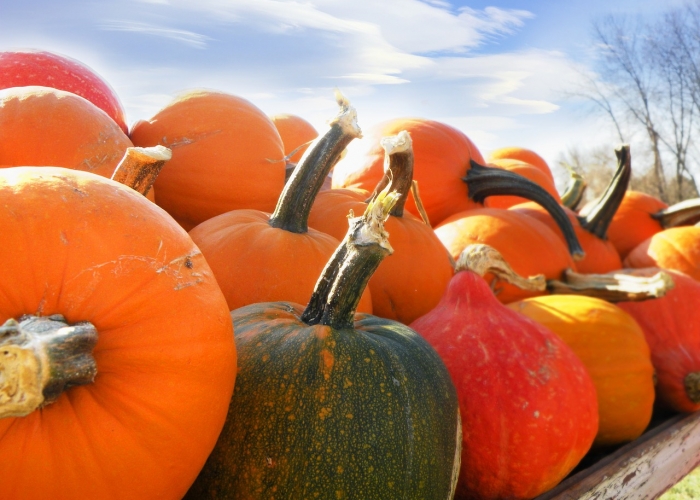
(642, 469)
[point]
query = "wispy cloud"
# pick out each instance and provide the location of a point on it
(188, 37)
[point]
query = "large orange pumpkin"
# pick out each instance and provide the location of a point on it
(676, 248)
(296, 134)
(261, 257)
(524, 155)
(45, 126)
(526, 170)
(92, 250)
(227, 155)
(411, 282)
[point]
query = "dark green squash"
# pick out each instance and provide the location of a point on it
(329, 404)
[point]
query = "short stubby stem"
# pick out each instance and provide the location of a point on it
(140, 167)
(40, 357)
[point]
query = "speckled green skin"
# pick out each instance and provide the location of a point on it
(364, 413)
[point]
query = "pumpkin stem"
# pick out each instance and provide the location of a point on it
(483, 182)
(574, 190)
(597, 217)
(419, 203)
(398, 168)
(613, 287)
(338, 290)
(684, 213)
(140, 167)
(40, 357)
(483, 259)
(306, 180)
(691, 382)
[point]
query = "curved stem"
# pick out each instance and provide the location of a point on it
(684, 213)
(574, 190)
(398, 169)
(338, 290)
(483, 259)
(483, 182)
(40, 357)
(600, 214)
(306, 180)
(613, 287)
(140, 167)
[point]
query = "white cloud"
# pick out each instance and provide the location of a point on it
(190, 38)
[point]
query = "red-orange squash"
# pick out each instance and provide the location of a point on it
(227, 155)
(676, 248)
(612, 347)
(92, 250)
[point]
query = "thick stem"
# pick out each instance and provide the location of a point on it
(40, 357)
(574, 190)
(483, 182)
(306, 180)
(599, 215)
(684, 213)
(338, 290)
(140, 167)
(398, 169)
(613, 287)
(483, 259)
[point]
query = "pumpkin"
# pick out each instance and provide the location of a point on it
(92, 263)
(296, 134)
(592, 223)
(227, 155)
(526, 170)
(333, 404)
(410, 283)
(46, 126)
(672, 331)
(262, 257)
(676, 248)
(524, 155)
(640, 216)
(527, 244)
(612, 346)
(528, 406)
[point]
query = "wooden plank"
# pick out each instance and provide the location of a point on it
(642, 469)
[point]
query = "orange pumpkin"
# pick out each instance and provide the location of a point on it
(45, 126)
(92, 250)
(613, 349)
(262, 257)
(528, 171)
(296, 134)
(676, 248)
(524, 155)
(412, 281)
(527, 244)
(227, 155)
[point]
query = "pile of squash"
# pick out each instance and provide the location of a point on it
(216, 303)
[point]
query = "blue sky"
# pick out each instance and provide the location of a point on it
(498, 70)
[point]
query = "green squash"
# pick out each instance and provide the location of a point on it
(329, 404)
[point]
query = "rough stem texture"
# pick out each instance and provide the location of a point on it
(574, 190)
(306, 180)
(483, 259)
(40, 357)
(598, 217)
(483, 182)
(338, 290)
(684, 213)
(140, 167)
(398, 169)
(613, 287)
(692, 386)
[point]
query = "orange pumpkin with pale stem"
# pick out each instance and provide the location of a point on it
(92, 250)
(296, 133)
(262, 257)
(442, 155)
(227, 155)
(412, 282)
(612, 347)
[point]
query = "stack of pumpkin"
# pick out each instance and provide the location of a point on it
(125, 287)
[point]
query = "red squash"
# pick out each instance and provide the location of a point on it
(528, 406)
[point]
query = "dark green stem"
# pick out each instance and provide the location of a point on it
(599, 215)
(398, 170)
(684, 213)
(483, 182)
(306, 180)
